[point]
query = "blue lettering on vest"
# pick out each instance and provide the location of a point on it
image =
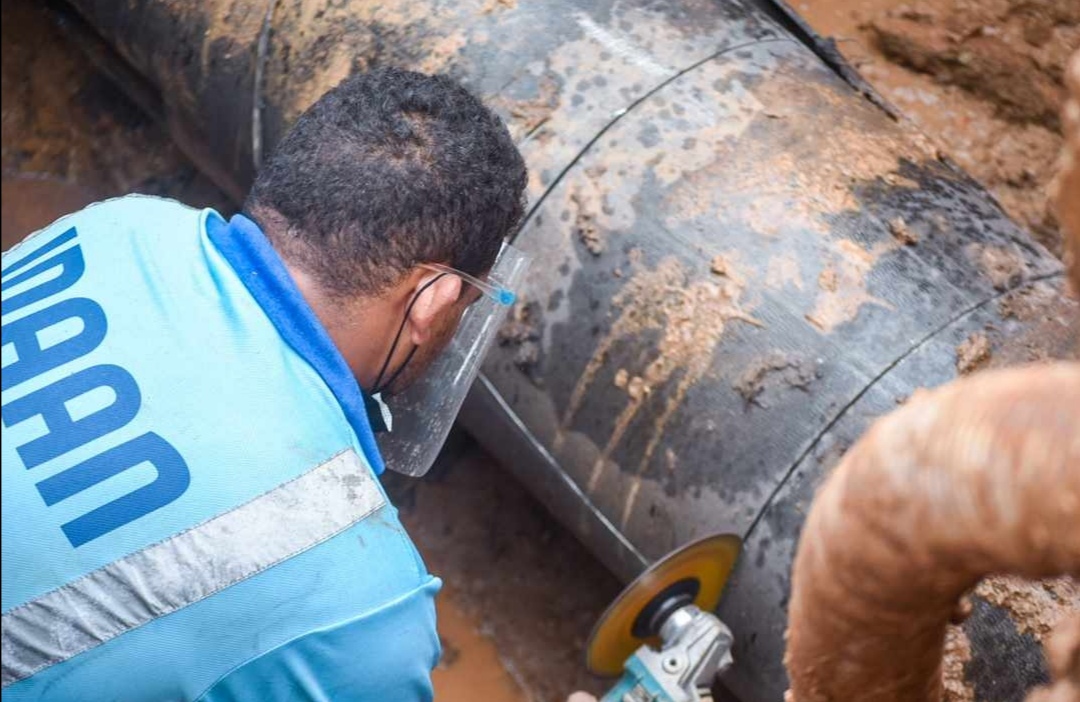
(35, 359)
(34, 255)
(171, 482)
(64, 432)
(71, 269)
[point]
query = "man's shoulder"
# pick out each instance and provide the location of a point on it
(135, 204)
(161, 355)
(124, 210)
(363, 629)
(144, 217)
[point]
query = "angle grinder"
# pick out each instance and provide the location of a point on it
(661, 633)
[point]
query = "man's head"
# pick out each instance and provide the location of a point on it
(388, 171)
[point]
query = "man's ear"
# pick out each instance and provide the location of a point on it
(432, 305)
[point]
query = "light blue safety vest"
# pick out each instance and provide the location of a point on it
(190, 502)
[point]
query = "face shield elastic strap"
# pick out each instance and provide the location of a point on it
(380, 386)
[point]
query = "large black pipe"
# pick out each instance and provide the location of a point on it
(740, 259)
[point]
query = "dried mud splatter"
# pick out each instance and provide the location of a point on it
(842, 289)
(957, 655)
(1036, 606)
(972, 354)
(774, 369)
(691, 317)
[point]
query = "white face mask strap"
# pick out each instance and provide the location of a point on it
(384, 410)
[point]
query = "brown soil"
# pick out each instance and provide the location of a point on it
(63, 121)
(983, 78)
(470, 668)
(40, 201)
(902, 233)
(1068, 185)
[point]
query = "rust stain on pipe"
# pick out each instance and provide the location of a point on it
(981, 476)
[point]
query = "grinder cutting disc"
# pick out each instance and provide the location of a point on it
(695, 574)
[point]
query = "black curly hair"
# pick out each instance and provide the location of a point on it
(390, 169)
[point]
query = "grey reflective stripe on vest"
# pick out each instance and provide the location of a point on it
(188, 567)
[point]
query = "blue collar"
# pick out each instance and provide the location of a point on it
(262, 271)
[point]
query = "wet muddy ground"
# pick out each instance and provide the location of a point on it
(984, 79)
(521, 594)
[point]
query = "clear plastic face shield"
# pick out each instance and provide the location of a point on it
(420, 416)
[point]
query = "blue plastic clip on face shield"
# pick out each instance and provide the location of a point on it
(492, 290)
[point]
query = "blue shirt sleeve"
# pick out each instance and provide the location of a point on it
(386, 654)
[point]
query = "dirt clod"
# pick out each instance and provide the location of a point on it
(1036, 606)
(957, 655)
(1004, 267)
(493, 5)
(586, 227)
(972, 354)
(902, 233)
(637, 388)
(827, 280)
(963, 610)
(776, 369)
(590, 236)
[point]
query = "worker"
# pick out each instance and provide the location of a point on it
(191, 503)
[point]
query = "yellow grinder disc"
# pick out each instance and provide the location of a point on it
(698, 571)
